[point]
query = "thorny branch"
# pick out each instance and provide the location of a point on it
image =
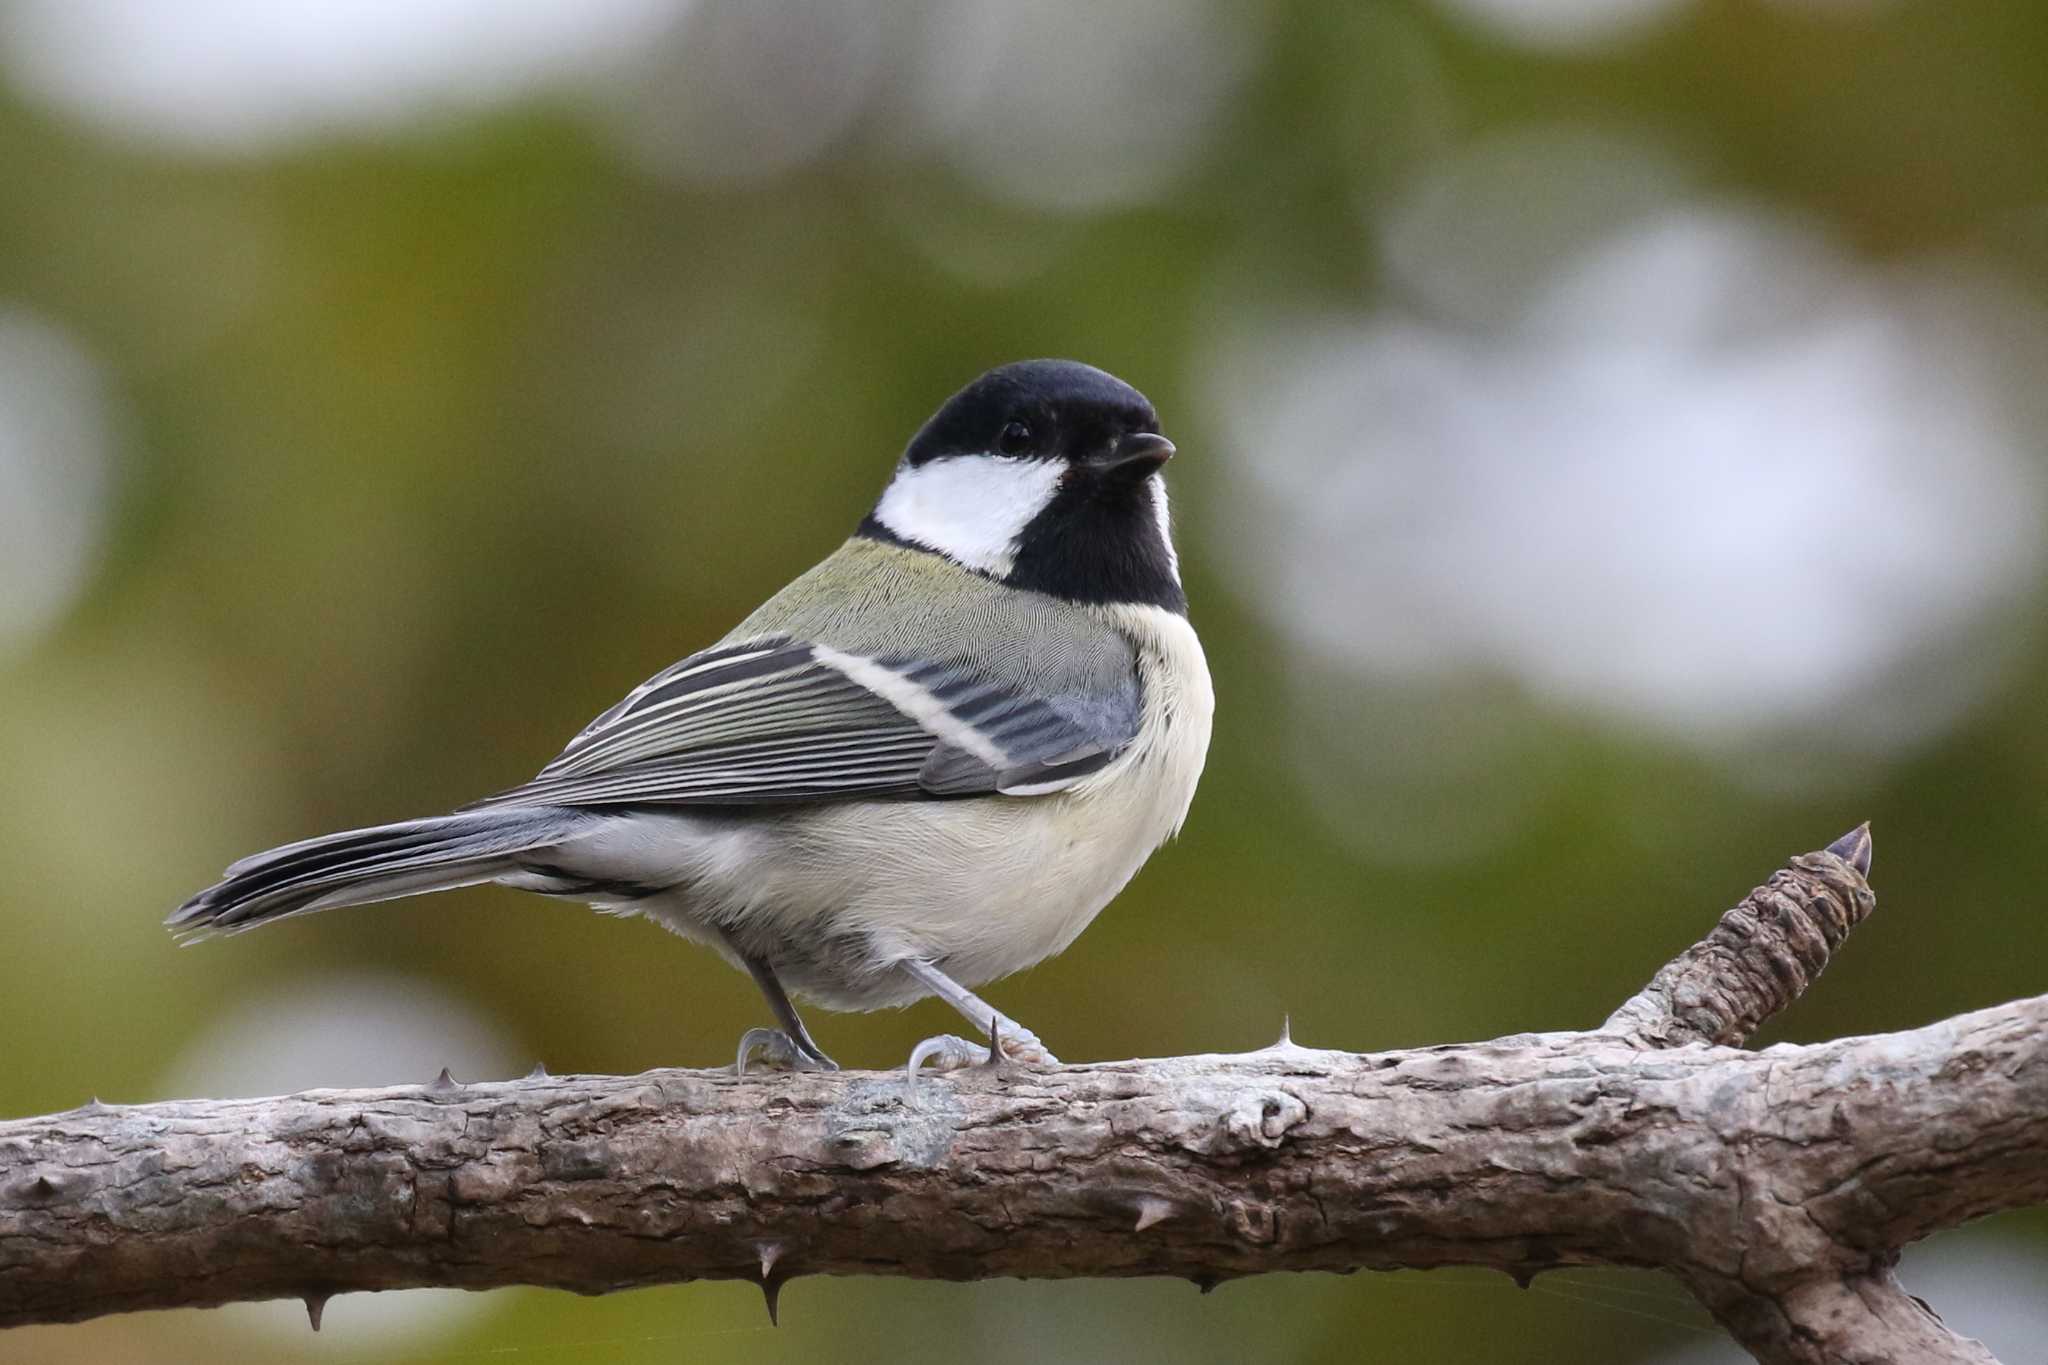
(1778, 1186)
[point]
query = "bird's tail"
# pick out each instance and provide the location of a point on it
(359, 866)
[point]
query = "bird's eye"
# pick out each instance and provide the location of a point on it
(1016, 438)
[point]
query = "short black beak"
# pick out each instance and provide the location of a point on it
(1136, 455)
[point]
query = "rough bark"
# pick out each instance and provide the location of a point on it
(1777, 1185)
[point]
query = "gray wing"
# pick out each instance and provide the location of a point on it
(781, 720)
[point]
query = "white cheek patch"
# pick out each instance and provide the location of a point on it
(970, 508)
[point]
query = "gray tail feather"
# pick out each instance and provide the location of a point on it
(359, 866)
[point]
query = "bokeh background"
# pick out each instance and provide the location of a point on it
(1615, 457)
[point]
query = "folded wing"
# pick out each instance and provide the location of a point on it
(781, 720)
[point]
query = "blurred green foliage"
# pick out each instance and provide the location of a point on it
(434, 441)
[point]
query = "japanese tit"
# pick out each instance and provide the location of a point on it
(925, 764)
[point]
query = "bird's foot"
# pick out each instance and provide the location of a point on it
(950, 1052)
(778, 1051)
(947, 1052)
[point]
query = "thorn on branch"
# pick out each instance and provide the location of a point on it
(770, 1282)
(1853, 848)
(995, 1044)
(771, 1294)
(443, 1084)
(316, 1308)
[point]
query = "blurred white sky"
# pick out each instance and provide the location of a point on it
(1676, 460)
(1079, 106)
(243, 75)
(1590, 25)
(1566, 25)
(716, 90)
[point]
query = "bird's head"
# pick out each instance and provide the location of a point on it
(1044, 474)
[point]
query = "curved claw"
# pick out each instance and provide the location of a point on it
(778, 1050)
(950, 1052)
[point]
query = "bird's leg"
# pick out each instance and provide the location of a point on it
(948, 1052)
(1018, 1043)
(789, 1046)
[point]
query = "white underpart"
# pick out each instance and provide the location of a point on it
(970, 508)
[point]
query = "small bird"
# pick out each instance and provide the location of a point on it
(923, 765)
